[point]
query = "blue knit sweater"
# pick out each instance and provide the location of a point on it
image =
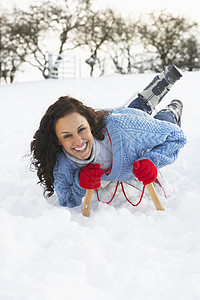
(134, 135)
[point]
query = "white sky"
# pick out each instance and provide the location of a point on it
(188, 8)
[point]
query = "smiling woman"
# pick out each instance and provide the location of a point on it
(77, 147)
(69, 127)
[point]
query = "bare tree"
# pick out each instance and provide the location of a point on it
(95, 34)
(62, 21)
(166, 34)
(12, 49)
(124, 44)
(190, 54)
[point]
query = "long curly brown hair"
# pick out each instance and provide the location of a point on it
(45, 147)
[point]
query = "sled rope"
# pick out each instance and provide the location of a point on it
(113, 196)
(127, 197)
(123, 190)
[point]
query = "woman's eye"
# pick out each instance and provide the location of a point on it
(67, 136)
(81, 129)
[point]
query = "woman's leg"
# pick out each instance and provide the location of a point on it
(140, 104)
(172, 113)
(166, 115)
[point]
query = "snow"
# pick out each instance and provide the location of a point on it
(120, 251)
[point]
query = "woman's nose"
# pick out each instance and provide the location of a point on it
(77, 140)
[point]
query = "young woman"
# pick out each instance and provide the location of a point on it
(76, 146)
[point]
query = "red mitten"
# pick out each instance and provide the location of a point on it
(145, 171)
(90, 176)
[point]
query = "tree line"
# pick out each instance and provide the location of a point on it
(149, 42)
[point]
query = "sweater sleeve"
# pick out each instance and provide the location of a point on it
(67, 188)
(146, 137)
(167, 150)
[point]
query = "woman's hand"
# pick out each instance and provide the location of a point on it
(90, 176)
(145, 171)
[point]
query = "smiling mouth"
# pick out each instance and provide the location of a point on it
(81, 149)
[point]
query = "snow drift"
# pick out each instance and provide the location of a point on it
(120, 251)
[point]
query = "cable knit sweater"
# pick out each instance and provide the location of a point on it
(134, 135)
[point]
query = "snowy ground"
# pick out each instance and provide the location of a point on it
(119, 252)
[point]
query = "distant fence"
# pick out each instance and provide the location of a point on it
(63, 66)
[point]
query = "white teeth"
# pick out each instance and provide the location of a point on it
(81, 149)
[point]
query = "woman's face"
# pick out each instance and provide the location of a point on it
(74, 134)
